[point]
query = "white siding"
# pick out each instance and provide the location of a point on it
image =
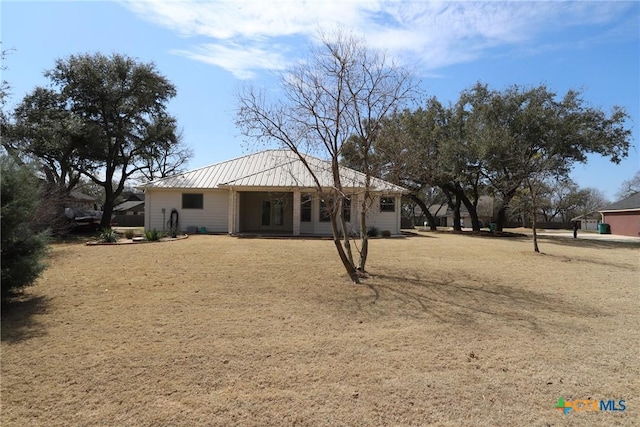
(215, 213)
(213, 216)
(384, 220)
(381, 220)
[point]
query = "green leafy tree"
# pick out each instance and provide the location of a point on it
(407, 151)
(23, 249)
(103, 118)
(530, 134)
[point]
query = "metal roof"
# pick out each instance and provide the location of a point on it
(269, 168)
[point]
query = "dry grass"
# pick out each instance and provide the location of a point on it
(450, 330)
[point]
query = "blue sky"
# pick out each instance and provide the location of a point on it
(208, 49)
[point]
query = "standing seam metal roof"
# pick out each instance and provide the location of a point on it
(269, 168)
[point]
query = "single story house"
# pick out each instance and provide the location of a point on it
(133, 205)
(444, 215)
(268, 192)
(130, 213)
(623, 216)
(79, 200)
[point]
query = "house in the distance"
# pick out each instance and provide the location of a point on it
(133, 205)
(588, 221)
(269, 192)
(79, 200)
(623, 216)
(130, 213)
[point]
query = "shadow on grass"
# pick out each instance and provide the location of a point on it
(465, 301)
(18, 322)
(588, 243)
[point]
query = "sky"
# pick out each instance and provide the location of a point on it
(210, 49)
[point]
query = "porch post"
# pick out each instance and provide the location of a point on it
(296, 212)
(231, 224)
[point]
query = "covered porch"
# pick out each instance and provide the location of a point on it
(265, 212)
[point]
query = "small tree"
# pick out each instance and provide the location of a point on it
(23, 249)
(344, 90)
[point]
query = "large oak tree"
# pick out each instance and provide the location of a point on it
(103, 117)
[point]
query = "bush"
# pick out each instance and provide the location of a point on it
(128, 234)
(23, 250)
(152, 235)
(372, 231)
(108, 235)
(386, 233)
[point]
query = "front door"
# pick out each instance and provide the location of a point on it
(272, 214)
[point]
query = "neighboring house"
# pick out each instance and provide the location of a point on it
(78, 200)
(133, 205)
(623, 216)
(589, 221)
(444, 216)
(266, 192)
(130, 213)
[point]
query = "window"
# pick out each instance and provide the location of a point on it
(266, 213)
(387, 204)
(325, 209)
(278, 212)
(305, 208)
(192, 201)
(346, 209)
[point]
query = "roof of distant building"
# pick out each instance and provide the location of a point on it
(629, 203)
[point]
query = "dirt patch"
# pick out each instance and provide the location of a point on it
(212, 330)
(136, 240)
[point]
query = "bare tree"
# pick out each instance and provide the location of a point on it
(343, 90)
(629, 187)
(591, 199)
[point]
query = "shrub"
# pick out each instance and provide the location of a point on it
(108, 235)
(386, 233)
(23, 250)
(372, 231)
(128, 234)
(152, 235)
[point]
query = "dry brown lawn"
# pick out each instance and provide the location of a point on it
(449, 330)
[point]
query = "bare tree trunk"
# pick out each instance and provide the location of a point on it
(535, 234)
(364, 238)
(534, 216)
(345, 232)
(430, 219)
(471, 208)
(348, 265)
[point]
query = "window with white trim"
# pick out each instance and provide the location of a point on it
(192, 201)
(387, 204)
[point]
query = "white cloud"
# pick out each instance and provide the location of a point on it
(248, 35)
(240, 60)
